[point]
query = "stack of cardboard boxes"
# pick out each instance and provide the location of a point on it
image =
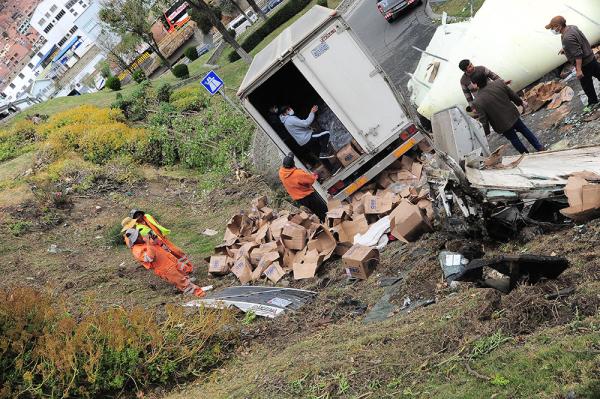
(268, 244)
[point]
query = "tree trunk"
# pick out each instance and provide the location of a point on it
(237, 6)
(257, 10)
(200, 5)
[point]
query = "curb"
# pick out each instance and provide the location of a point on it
(438, 17)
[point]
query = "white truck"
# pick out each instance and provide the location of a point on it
(319, 60)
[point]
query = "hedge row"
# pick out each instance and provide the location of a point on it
(278, 18)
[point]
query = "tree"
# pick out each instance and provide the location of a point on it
(132, 17)
(201, 6)
(237, 7)
(118, 48)
(257, 10)
(203, 20)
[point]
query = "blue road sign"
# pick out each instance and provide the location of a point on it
(212, 82)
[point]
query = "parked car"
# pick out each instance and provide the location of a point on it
(241, 23)
(270, 5)
(390, 9)
(205, 48)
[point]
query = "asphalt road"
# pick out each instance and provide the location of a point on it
(391, 44)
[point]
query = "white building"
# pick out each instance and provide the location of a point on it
(69, 29)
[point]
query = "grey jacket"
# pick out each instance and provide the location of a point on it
(298, 128)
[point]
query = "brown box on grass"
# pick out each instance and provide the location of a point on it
(219, 265)
(277, 225)
(264, 263)
(242, 269)
(360, 261)
(257, 253)
(274, 272)
(306, 264)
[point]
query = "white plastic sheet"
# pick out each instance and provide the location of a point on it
(376, 236)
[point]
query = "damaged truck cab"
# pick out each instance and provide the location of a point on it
(318, 60)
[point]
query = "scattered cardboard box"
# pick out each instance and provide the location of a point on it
(257, 253)
(583, 197)
(347, 154)
(407, 222)
(219, 265)
(384, 180)
(306, 264)
(242, 270)
(360, 261)
(294, 236)
(264, 263)
(274, 272)
(260, 202)
(277, 225)
(377, 205)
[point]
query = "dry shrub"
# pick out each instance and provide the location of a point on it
(525, 310)
(47, 351)
(98, 134)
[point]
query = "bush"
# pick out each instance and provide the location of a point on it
(282, 15)
(207, 141)
(113, 83)
(163, 93)
(97, 134)
(134, 108)
(17, 140)
(191, 53)
(189, 99)
(139, 75)
(48, 351)
(181, 71)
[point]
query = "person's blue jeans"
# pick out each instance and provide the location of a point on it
(511, 135)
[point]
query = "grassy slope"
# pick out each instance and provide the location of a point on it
(458, 8)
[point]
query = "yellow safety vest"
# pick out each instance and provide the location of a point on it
(144, 230)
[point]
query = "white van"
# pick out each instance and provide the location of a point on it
(319, 60)
(241, 23)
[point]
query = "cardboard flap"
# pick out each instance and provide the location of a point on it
(276, 226)
(294, 236)
(261, 234)
(407, 222)
(375, 205)
(260, 202)
(574, 191)
(323, 241)
(350, 228)
(257, 253)
(242, 269)
(591, 196)
(245, 249)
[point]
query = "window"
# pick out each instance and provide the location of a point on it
(47, 15)
(30, 81)
(74, 13)
(73, 30)
(60, 14)
(30, 65)
(53, 8)
(42, 21)
(48, 28)
(62, 41)
(21, 76)
(39, 54)
(12, 85)
(70, 4)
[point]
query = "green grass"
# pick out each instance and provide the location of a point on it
(458, 8)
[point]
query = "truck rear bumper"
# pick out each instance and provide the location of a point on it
(379, 167)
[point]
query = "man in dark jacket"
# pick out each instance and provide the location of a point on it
(495, 105)
(578, 51)
(467, 85)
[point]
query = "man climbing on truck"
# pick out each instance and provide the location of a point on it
(298, 183)
(301, 131)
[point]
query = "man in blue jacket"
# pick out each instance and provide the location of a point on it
(301, 131)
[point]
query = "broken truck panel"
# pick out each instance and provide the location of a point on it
(263, 301)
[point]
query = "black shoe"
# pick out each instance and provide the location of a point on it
(326, 155)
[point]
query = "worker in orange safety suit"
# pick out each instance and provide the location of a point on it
(153, 255)
(146, 223)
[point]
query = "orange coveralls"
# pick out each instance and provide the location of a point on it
(152, 255)
(183, 263)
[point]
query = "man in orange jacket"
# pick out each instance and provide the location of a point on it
(151, 253)
(298, 183)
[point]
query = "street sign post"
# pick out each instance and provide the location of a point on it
(214, 84)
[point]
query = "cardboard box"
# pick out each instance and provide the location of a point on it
(406, 177)
(260, 202)
(242, 269)
(383, 180)
(294, 236)
(257, 253)
(417, 169)
(427, 206)
(360, 261)
(274, 272)
(277, 225)
(306, 264)
(342, 248)
(245, 249)
(219, 265)
(583, 197)
(333, 204)
(262, 234)
(350, 228)
(323, 241)
(264, 263)
(347, 154)
(375, 205)
(406, 162)
(238, 226)
(288, 259)
(322, 172)
(408, 222)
